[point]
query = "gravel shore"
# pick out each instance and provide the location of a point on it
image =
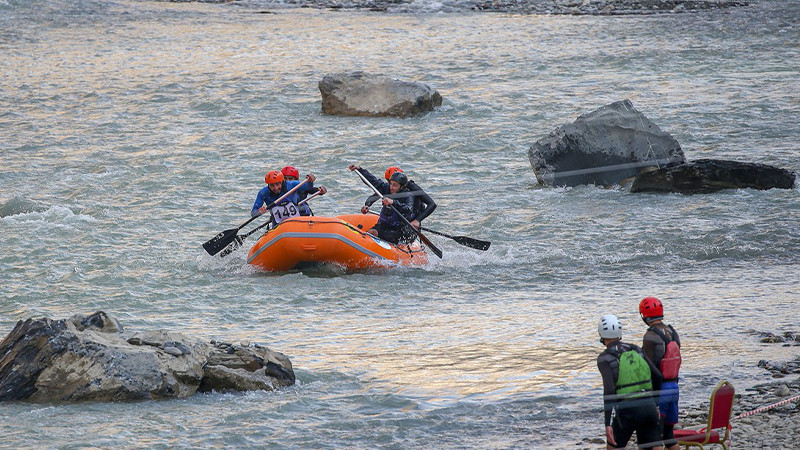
(571, 7)
(775, 427)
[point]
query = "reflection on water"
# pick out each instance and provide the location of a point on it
(134, 132)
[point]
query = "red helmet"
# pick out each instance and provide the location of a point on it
(290, 171)
(651, 308)
(390, 171)
(273, 176)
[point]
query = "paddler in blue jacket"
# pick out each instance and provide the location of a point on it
(275, 188)
(289, 174)
(390, 226)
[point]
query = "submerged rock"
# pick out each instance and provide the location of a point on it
(89, 358)
(605, 147)
(359, 93)
(711, 175)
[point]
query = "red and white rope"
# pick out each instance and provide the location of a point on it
(764, 408)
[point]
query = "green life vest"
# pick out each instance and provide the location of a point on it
(634, 375)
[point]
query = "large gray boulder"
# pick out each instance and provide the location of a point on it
(358, 93)
(92, 358)
(711, 175)
(606, 147)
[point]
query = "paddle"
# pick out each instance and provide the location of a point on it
(305, 200)
(422, 237)
(222, 240)
(463, 240)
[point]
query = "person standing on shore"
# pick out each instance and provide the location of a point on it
(629, 378)
(657, 345)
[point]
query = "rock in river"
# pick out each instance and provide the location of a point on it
(92, 358)
(358, 93)
(604, 147)
(711, 175)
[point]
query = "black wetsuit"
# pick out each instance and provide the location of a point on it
(391, 227)
(638, 414)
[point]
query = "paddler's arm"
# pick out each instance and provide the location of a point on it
(258, 203)
(381, 186)
(430, 205)
(403, 207)
(370, 200)
(309, 187)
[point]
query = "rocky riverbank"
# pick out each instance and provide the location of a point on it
(562, 7)
(92, 358)
(775, 427)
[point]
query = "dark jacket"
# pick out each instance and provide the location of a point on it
(652, 344)
(654, 347)
(403, 203)
(423, 204)
(305, 210)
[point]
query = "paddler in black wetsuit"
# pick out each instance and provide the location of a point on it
(423, 204)
(390, 226)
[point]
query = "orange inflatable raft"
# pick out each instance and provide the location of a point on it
(341, 240)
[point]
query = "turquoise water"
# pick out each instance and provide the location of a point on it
(132, 132)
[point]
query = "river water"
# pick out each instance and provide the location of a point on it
(132, 132)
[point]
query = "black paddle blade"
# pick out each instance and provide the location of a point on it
(220, 241)
(472, 243)
(237, 242)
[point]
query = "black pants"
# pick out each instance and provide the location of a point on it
(641, 416)
(395, 235)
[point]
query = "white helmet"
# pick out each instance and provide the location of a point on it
(609, 327)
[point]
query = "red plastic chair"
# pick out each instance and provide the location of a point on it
(718, 428)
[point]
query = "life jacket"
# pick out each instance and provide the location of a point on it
(670, 364)
(388, 215)
(634, 378)
(305, 210)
